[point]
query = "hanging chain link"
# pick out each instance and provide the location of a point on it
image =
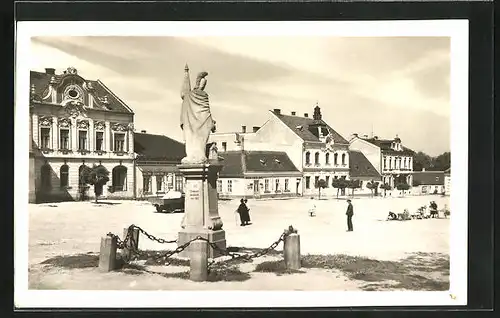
(234, 256)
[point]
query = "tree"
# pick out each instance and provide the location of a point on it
(372, 185)
(403, 187)
(386, 187)
(353, 185)
(321, 185)
(97, 176)
(339, 184)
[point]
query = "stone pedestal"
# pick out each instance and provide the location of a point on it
(201, 216)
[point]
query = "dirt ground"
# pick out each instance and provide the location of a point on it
(378, 255)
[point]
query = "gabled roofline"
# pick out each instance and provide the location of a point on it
(116, 97)
(279, 119)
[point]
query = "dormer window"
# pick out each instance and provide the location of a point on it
(263, 162)
(277, 161)
(299, 127)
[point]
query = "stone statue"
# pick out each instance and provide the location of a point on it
(196, 119)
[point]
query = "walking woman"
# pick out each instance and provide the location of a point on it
(243, 212)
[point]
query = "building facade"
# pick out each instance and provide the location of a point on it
(157, 158)
(315, 149)
(392, 160)
(257, 174)
(428, 182)
(77, 122)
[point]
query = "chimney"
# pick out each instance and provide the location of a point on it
(293, 113)
(243, 129)
(50, 71)
(143, 131)
(375, 137)
(277, 111)
(355, 135)
(255, 128)
(306, 115)
(365, 136)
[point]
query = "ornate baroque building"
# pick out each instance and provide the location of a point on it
(392, 160)
(77, 122)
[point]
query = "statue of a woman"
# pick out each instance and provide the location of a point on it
(196, 118)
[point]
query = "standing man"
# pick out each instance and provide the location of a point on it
(349, 213)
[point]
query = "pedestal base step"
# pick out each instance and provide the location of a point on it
(217, 237)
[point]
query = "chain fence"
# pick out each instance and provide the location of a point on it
(234, 256)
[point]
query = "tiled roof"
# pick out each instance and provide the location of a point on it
(385, 146)
(359, 166)
(255, 161)
(429, 177)
(41, 81)
(158, 147)
(231, 165)
(295, 121)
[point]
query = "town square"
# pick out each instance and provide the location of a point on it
(230, 166)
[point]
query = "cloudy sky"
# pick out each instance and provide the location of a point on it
(393, 85)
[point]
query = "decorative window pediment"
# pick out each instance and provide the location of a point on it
(83, 124)
(100, 125)
(118, 127)
(64, 122)
(45, 121)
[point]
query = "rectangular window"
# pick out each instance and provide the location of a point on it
(286, 184)
(308, 182)
(266, 185)
(82, 140)
(230, 186)
(146, 184)
(224, 146)
(64, 139)
(170, 182)
(219, 186)
(276, 185)
(179, 183)
(159, 183)
(119, 144)
(316, 180)
(327, 179)
(99, 141)
(44, 138)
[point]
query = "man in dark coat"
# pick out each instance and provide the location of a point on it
(243, 212)
(349, 213)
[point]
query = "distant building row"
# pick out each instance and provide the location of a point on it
(76, 122)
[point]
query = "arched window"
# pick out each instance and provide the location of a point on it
(308, 158)
(327, 158)
(63, 175)
(316, 158)
(45, 177)
(80, 175)
(343, 159)
(119, 178)
(335, 158)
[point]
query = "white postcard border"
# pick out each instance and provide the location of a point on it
(456, 29)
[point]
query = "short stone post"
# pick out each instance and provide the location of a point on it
(198, 271)
(132, 244)
(291, 251)
(107, 255)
